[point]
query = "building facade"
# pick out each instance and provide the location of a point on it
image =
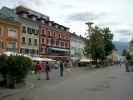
(77, 44)
(29, 37)
(130, 47)
(39, 35)
(9, 35)
(55, 41)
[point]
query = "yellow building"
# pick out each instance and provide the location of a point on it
(9, 35)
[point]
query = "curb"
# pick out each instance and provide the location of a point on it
(18, 91)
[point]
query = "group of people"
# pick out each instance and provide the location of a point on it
(40, 66)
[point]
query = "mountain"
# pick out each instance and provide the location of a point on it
(120, 46)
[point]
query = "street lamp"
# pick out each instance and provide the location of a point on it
(89, 24)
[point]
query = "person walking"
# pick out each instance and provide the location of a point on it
(37, 70)
(47, 69)
(61, 68)
(120, 62)
(127, 62)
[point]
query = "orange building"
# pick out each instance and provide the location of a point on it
(9, 35)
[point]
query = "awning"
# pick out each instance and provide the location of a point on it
(42, 59)
(58, 49)
(85, 60)
(9, 53)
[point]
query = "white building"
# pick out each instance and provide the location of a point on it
(130, 48)
(77, 44)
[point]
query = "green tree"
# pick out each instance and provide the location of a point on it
(108, 44)
(14, 69)
(95, 44)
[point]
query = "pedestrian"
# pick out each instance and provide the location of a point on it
(120, 62)
(127, 62)
(61, 68)
(37, 70)
(47, 69)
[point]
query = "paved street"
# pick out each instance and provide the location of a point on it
(111, 83)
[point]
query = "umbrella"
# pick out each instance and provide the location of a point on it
(85, 60)
(41, 59)
(8, 53)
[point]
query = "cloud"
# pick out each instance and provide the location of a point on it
(67, 6)
(85, 16)
(108, 24)
(125, 32)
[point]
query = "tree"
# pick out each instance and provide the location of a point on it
(95, 44)
(14, 69)
(108, 37)
(99, 43)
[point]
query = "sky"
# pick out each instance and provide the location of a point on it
(115, 14)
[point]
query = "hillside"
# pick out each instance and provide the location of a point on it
(120, 46)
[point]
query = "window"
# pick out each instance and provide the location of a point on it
(49, 41)
(66, 45)
(49, 34)
(24, 29)
(27, 51)
(44, 50)
(62, 44)
(29, 30)
(23, 40)
(56, 26)
(12, 33)
(22, 50)
(43, 31)
(1, 44)
(34, 18)
(33, 31)
(59, 35)
(57, 42)
(53, 42)
(36, 32)
(1, 32)
(42, 40)
(29, 41)
(11, 46)
(35, 42)
(54, 34)
(49, 24)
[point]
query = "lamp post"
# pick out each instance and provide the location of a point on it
(89, 24)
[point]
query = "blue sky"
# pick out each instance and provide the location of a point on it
(116, 14)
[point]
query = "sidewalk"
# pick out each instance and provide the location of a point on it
(4, 92)
(31, 82)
